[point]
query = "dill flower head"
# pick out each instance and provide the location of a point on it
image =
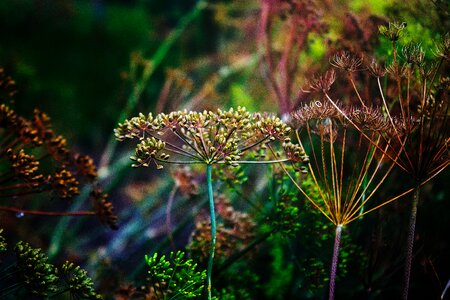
(323, 83)
(346, 61)
(201, 137)
(35, 271)
(393, 31)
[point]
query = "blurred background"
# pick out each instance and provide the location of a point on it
(91, 64)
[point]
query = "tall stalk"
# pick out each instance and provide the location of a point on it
(212, 215)
(410, 242)
(334, 262)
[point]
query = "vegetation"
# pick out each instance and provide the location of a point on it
(282, 149)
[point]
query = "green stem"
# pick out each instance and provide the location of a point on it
(334, 262)
(212, 215)
(148, 71)
(410, 243)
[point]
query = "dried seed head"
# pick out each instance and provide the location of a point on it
(375, 69)
(393, 31)
(25, 167)
(370, 119)
(346, 61)
(103, 208)
(323, 83)
(316, 110)
(443, 50)
(414, 54)
(64, 183)
(85, 166)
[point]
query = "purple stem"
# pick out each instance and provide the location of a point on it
(334, 263)
(410, 245)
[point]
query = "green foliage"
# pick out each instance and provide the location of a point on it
(175, 277)
(288, 213)
(33, 274)
(3, 243)
(77, 281)
(34, 269)
(281, 271)
(230, 282)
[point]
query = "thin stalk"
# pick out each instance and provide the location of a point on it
(47, 213)
(334, 262)
(212, 216)
(356, 90)
(148, 71)
(410, 244)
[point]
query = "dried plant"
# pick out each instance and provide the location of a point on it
(208, 138)
(297, 19)
(35, 160)
(346, 168)
(417, 134)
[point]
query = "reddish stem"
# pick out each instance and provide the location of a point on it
(46, 213)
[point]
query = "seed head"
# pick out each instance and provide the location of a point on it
(414, 54)
(202, 137)
(323, 83)
(393, 31)
(346, 61)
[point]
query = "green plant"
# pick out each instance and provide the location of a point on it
(3, 243)
(207, 138)
(32, 274)
(77, 282)
(175, 277)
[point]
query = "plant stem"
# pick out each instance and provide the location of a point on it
(47, 213)
(334, 262)
(410, 242)
(148, 71)
(212, 216)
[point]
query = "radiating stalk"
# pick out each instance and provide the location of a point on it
(212, 216)
(334, 262)
(410, 243)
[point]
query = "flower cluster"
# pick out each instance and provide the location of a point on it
(34, 269)
(35, 160)
(77, 281)
(103, 208)
(202, 137)
(174, 277)
(34, 274)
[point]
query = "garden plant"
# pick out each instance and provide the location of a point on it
(281, 149)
